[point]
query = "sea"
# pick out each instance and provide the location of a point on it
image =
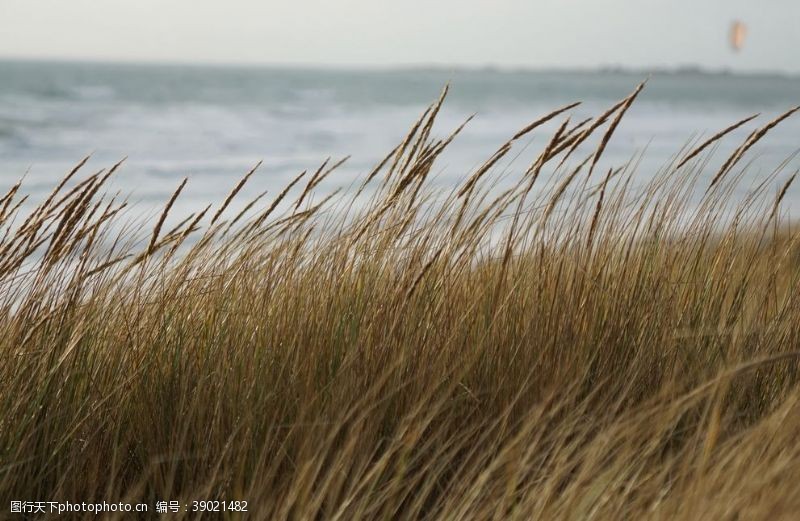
(214, 123)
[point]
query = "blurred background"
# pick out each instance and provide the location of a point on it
(206, 89)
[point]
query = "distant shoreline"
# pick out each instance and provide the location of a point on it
(422, 68)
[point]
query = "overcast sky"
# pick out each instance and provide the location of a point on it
(531, 33)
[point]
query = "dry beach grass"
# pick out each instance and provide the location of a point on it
(579, 346)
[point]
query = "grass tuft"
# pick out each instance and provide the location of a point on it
(569, 348)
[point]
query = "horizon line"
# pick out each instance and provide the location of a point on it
(410, 67)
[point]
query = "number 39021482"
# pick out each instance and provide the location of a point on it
(219, 506)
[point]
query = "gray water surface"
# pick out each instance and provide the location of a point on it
(214, 123)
